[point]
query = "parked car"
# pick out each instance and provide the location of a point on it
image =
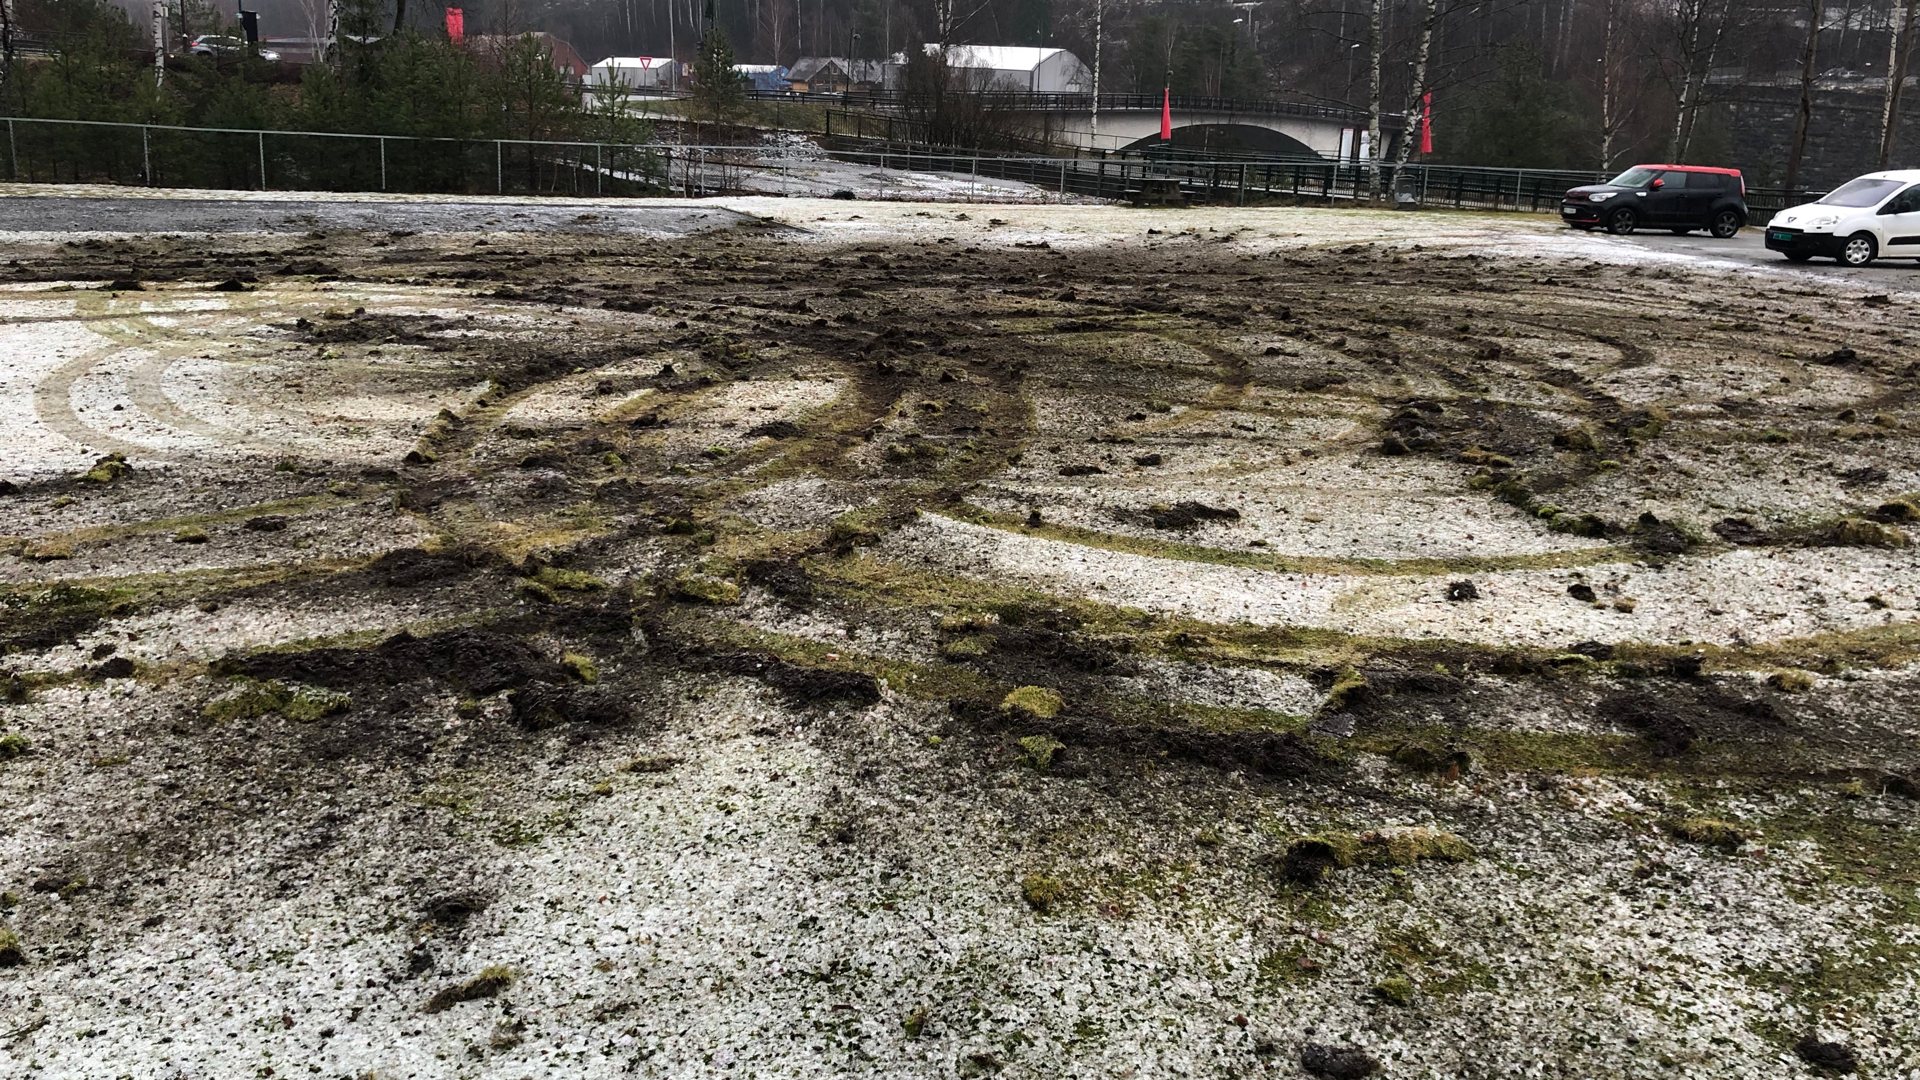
(224, 47)
(1869, 217)
(1680, 198)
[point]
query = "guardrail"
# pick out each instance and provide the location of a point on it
(76, 151)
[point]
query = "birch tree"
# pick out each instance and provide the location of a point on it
(1377, 40)
(159, 42)
(1611, 117)
(1430, 17)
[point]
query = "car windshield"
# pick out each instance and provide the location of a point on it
(1861, 192)
(1633, 178)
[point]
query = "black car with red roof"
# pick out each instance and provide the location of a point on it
(1679, 198)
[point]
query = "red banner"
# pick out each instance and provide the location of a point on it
(456, 25)
(1166, 115)
(1426, 122)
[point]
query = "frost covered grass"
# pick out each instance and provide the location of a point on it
(911, 640)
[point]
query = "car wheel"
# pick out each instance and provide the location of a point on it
(1859, 250)
(1622, 221)
(1797, 256)
(1725, 224)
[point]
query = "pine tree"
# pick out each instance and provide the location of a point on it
(718, 93)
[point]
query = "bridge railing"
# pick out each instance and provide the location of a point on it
(1045, 102)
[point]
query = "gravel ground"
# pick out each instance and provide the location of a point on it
(785, 637)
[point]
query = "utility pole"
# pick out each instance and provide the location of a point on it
(159, 42)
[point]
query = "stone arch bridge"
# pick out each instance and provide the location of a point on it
(1224, 125)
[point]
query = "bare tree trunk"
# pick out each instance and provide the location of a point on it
(1807, 60)
(1899, 34)
(1563, 50)
(6, 42)
(1379, 46)
(1609, 120)
(1099, 25)
(330, 46)
(1430, 19)
(399, 15)
(159, 42)
(1700, 85)
(1691, 13)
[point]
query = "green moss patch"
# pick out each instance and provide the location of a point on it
(1394, 990)
(1309, 858)
(251, 699)
(556, 578)
(1043, 892)
(581, 667)
(1033, 702)
(695, 588)
(1709, 832)
(1038, 750)
(107, 470)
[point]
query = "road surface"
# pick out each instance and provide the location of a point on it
(1749, 248)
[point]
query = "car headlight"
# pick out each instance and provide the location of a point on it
(1600, 196)
(1826, 222)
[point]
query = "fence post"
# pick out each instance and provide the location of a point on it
(1243, 183)
(499, 169)
(383, 164)
(263, 159)
(13, 154)
(1063, 181)
(146, 155)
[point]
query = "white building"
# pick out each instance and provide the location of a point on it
(1019, 67)
(636, 73)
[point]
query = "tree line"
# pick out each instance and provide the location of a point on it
(1541, 83)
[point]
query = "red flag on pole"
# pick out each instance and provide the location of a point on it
(1426, 122)
(456, 25)
(1166, 115)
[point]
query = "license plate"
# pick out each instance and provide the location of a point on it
(1780, 236)
(1568, 210)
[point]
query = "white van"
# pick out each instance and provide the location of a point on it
(1873, 216)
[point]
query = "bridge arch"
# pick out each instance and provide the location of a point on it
(1229, 138)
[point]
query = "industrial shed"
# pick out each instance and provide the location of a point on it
(636, 72)
(1019, 67)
